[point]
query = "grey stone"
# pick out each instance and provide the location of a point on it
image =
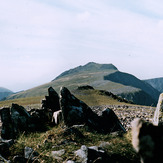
(30, 154)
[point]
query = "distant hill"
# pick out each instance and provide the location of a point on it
(4, 92)
(132, 81)
(102, 77)
(156, 83)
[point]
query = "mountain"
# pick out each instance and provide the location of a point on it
(4, 92)
(102, 77)
(156, 83)
(132, 81)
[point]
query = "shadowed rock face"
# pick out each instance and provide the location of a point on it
(147, 140)
(76, 112)
(51, 101)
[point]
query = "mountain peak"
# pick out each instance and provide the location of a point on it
(90, 66)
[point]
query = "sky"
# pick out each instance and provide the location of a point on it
(40, 39)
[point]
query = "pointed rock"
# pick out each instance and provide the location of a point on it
(75, 111)
(51, 101)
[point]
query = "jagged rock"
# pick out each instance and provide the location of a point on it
(110, 122)
(77, 112)
(57, 117)
(147, 140)
(30, 154)
(7, 130)
(51, 101)
(20, 118)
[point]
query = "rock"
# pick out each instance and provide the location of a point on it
(85, 87)
(51, 101)
(110, 122)
(7, 129)
(20, 159)
(20, 119)
(158, 115)
(57, 154)
(76, 112)
(82, 154)
(91, 154)
(70, 161)
(147, 140)
(30, 154)
(57, 117)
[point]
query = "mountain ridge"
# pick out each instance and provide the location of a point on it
(95, 74)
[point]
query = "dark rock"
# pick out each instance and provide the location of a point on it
(20, 118)
(51, 101)
(20, 159)
(75, 111)
(85, 87)
(7, 130)
(109, 121)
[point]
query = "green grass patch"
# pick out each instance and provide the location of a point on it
(56, 139)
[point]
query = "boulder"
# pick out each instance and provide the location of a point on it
(51, 101)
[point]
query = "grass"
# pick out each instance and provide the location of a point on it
(23, 101)
(55, 139)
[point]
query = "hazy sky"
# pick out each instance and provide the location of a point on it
(39, 39)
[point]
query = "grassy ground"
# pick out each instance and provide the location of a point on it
(55, 139)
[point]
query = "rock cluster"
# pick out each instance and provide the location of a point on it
(54, 108)
(127, 113)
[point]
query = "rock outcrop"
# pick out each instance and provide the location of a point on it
(76, 112)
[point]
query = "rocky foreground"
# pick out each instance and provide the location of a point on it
(127, 113)
(73, 112)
